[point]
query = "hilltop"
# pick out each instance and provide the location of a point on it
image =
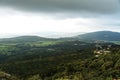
(100, 35)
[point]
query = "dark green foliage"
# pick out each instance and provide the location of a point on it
(64, 60)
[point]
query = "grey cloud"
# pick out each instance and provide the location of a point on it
(64, 6)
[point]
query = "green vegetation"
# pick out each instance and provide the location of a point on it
(57, 59)
(6, 76)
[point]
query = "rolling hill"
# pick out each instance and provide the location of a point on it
(59, 59)
(23, 39)
(100, 35)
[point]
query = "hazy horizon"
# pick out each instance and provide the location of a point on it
(44, 34)
(49, 34)
(58, 18)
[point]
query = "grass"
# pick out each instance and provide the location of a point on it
(44, 43)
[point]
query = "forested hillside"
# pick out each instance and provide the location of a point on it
(58, 59)
(59, 39)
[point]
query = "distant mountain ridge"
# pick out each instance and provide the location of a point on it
(101, 35)
(24, 39)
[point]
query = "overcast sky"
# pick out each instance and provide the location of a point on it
(68, 16)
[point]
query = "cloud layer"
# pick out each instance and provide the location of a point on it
(60, 6)
(31, 16)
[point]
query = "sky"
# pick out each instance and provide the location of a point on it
(45, 17)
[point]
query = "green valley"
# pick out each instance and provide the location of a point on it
(36, 58)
